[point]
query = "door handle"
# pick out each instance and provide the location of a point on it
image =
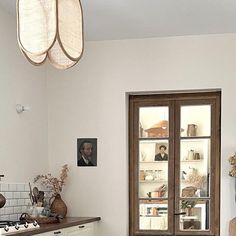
(180, 213)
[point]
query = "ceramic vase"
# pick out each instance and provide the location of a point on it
(58, 206)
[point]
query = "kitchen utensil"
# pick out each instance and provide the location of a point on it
(31, 195)
(36, 194)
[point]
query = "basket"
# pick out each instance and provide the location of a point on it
(25, 217)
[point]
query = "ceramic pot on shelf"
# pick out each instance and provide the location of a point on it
(192, 130)
(58, 206)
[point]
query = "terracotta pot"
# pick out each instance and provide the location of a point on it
(2, 200)
(58, 206)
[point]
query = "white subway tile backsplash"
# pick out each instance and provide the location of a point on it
(5, 217)
(12, 187)
(23, 208)
(4, 187)
(17, 210)
(24, 195)
(27, 187)
(2, 211)
(13, 217)
(9, 195)
(20, 187)
(13, 202)
(21, 202)
(17, 195)
(17, 199)
(9, 210)
(27, 202)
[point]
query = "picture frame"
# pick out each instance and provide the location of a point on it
(87, 152)
(164, 156)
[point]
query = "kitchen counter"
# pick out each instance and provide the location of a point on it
(64, 223)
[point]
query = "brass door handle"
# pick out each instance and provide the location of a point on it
(180, 213)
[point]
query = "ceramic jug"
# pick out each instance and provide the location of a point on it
(192, 130)
(190, 155)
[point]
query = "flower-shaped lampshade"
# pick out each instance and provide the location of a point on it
(50, 29)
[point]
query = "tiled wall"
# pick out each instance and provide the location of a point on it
(17, 199)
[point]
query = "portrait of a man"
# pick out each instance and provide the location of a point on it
(87, 152)
(161, 154)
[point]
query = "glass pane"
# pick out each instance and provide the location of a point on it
(153, 215)
(195, 121)
(153, 122)
(197, 215)
(195, 168)
(153, 168)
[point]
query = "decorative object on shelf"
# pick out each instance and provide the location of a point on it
(149, 175)
(190, 156)
(141, 175)
(232, 172)
(196, 179)
(161, 152)
(55, 185)
(183, 174)
(189, 191)
(187, 206)
(192, 130)
(50, 29)
(143, 156)
(197, 156)
(159, 129)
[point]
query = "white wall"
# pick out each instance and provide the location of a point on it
(23, 138)
(90, 101)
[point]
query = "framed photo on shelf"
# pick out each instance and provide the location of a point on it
(161, 152)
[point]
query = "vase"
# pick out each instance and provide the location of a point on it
(58, 206)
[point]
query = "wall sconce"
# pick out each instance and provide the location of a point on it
(20, 108)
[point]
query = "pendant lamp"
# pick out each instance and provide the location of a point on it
(50, 29)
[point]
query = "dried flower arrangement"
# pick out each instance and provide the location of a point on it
(53, 183)
(196, 179)
(232, 161)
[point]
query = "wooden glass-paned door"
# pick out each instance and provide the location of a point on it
(174, 161)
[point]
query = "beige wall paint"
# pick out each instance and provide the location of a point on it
(23, 138)
(90, 101)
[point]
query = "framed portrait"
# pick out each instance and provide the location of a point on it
(161, 152)
(86, 152)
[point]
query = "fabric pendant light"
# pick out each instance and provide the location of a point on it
(50, 29)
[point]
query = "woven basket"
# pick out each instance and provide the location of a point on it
(25, 217)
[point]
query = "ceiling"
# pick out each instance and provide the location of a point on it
(126, 19)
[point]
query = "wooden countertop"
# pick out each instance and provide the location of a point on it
(64, 223)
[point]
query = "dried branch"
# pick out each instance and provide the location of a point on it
(53, 183)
